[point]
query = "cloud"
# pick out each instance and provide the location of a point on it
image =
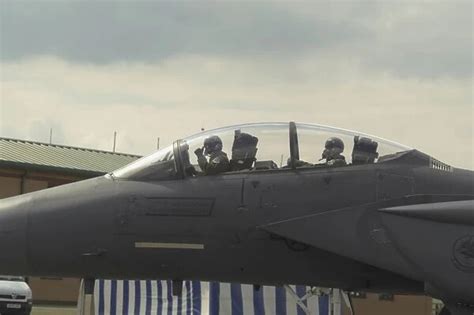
(108, 31)
(402, 71)
(426, 40)
(176, 97)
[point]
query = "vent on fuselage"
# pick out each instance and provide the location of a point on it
(438, 165)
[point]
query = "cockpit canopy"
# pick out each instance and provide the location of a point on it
(260, 147)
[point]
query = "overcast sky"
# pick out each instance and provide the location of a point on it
(398, 70)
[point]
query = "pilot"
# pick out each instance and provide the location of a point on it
(332, 152)
(218, 160)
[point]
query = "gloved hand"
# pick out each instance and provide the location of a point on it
(325, 154)
(199, 151)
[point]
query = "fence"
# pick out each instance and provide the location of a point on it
(144, 297)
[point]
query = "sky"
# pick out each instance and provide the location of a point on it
(399, 70)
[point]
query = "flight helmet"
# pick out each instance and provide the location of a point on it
(333, 147)
(333, 143)
(212, 144)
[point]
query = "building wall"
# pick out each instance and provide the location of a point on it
(54, 290)
(9, 186)
(400, 305)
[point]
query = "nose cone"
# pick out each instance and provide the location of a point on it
(13, 226)
(67, 224)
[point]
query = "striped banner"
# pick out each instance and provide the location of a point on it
(147, 297)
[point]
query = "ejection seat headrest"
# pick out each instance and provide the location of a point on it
(365, 150)
(244, 150)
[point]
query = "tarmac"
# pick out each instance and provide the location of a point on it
(53, 310)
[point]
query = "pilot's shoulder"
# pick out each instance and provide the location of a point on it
(219, 157)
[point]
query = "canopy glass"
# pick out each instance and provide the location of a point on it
(260, 146)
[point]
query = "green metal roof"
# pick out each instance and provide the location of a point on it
(38, 155)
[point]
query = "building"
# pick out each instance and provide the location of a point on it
(27, 166)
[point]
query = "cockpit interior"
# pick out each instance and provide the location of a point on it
(262, 147)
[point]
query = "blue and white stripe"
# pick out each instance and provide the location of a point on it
(151, 297)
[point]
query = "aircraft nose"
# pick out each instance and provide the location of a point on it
(13, 226)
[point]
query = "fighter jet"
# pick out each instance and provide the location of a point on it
(292, 204)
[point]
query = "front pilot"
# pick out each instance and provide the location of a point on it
(218, 160)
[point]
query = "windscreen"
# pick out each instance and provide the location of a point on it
(157, 166)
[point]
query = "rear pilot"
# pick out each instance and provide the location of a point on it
(332, 152)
